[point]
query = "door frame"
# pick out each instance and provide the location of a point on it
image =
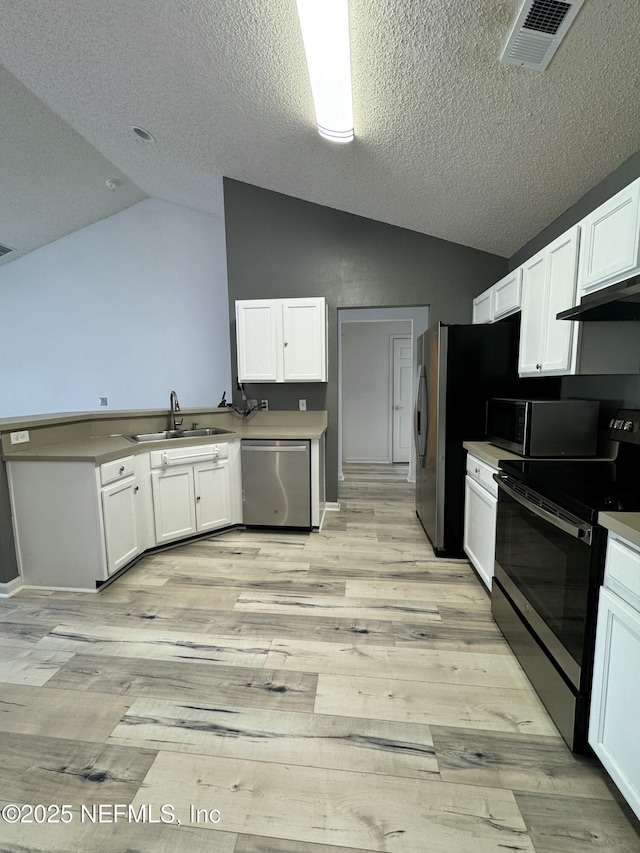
(418, 315)
(392, 364)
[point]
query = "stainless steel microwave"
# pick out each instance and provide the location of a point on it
(543, 427)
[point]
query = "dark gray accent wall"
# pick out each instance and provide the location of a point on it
(617, 180)
(8, 562)
(283, 247)
(612, 391)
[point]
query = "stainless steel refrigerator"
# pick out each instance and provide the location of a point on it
(460, 367)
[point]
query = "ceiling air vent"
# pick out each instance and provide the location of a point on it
(4, 250)
(538, 31)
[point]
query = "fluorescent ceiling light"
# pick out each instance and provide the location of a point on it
(325, 34)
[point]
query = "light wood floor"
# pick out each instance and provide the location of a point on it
(341, 690)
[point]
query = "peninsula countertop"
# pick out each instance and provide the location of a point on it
(99, 438)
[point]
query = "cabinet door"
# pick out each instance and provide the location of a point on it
(213, 495)
(507, 294)
(610, 240)
(614, 728)
(304, 340)
(120, 523)
(479, 539)
(258, 339)
(173, 503)
(533, 314)
(558, 350)
(483, 308)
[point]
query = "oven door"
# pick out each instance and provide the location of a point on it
(544, 565)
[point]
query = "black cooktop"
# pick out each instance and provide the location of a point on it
(583, 488)
(586, 487)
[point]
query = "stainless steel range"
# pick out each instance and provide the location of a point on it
(549, 567)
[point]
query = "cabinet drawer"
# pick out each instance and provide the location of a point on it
(622, 570)
(116, 470)
(482, 474)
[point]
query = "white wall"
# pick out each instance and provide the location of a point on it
(128, 308)
(366, 389)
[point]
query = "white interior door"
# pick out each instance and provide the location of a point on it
(402, 377)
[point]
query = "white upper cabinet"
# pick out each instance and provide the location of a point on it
(551, 347)
(483, 307)
(507, 294)
(259, 339)
(304, 332)
(282, 340)
(501, 300)
(610, 248)
(533, 324)
(547, 345)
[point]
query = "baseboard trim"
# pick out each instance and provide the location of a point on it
(332, 506)
(11, 587)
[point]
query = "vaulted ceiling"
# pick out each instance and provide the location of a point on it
(448, 142)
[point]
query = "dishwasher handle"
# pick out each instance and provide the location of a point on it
(259, 448)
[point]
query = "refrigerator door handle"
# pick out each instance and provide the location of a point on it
(420, 417)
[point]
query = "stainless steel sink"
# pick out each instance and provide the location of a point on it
(168, 434)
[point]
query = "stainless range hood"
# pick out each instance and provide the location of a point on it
(619, 301)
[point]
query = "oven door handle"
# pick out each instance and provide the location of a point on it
(560, 520)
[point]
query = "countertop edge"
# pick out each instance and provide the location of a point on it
(107, 448)
(624, 524)
(487, 452)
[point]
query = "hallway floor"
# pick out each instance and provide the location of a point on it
(280, 692)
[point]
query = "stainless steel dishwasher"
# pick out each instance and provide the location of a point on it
(276, 482)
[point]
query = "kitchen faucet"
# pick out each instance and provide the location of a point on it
(174, 406)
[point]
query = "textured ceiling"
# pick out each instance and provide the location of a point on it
(449, 142)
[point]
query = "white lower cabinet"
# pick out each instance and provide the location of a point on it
(191, 499)
(213, 496)
(614, 727)
(121, 526)
(480, 508)
(174, 509)
(76, 524)
(195, 489)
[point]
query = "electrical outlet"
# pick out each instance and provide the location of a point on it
(264, 405)
(302, 405)
(103, 401)
(20, 437)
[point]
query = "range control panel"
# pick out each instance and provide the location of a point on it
(625, 426)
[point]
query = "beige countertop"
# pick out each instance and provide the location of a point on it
(625, 524)
(488, 453)
(68, 444)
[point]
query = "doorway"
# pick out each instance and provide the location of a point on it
(372, 382)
